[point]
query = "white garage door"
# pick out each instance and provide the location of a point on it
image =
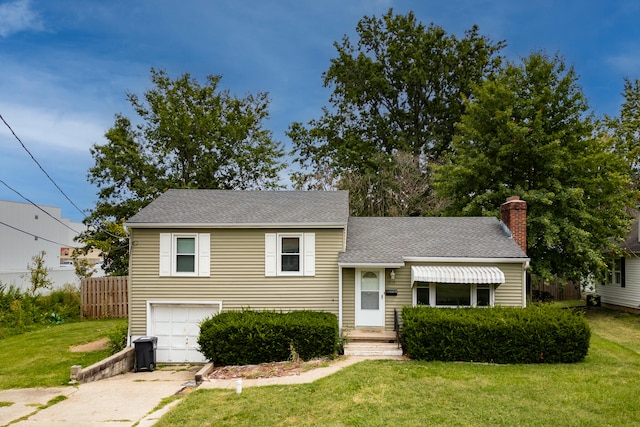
(177, 327)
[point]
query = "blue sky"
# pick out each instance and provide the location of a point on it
(66, 65)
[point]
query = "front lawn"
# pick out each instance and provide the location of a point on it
(601, 391)
(41, 358)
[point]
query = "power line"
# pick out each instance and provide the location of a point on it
(50, 179)
(46, 213)
(40, 166)
(36, 236)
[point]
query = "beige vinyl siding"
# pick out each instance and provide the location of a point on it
(348, 298)
(402, 284)
(237, 274)
(510, 293)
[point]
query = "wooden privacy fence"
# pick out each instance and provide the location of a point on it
(570, 291)
(104, 297)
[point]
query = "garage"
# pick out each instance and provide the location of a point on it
(177, 326)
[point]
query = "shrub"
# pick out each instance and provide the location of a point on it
(118, 338)
(251, 337)
(536, 334)
(21, 311)
(61, 304)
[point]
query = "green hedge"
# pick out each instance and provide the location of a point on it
(536, 334)
(250, 337)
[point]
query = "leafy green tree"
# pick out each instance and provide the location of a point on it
(398, 91)
(189, 136)
(625, 129)
(527, 132)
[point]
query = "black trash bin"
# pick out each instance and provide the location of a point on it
(145, 353)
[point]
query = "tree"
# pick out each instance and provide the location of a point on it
(189, 136)
(398, 92)
(38, 274)
(527, 132)
(625, 129)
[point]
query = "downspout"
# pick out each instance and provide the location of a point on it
(340, 297)
(128, 231)
(524, 284)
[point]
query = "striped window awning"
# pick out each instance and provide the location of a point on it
(457, 274)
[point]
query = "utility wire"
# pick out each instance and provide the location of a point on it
(40, 166)
(46, 213)
(36, 236)
(50, 179)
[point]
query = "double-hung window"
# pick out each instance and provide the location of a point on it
(185, 254)
(290, 254)
(617, 272)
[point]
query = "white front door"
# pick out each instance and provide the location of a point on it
(369, 297)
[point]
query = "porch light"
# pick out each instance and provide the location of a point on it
(392, 275)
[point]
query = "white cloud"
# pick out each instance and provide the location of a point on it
(37, 127)
(16, 16)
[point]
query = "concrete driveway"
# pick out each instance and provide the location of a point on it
(120, 401)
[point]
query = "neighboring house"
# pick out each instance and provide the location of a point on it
(25, 231)
(622, 286)
(197, 252)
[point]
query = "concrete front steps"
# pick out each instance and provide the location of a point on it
(372, 343)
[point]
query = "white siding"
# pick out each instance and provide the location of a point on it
(629, 296)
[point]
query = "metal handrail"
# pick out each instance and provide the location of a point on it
(396, 326)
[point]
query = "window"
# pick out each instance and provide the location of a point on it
(422, 293)
(290, 254)
(616, 272)
(453, 295)
(185, 254)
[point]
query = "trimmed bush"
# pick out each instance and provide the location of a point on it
(536, 334)
(250, 337)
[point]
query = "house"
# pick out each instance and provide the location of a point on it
(197, 252)
(25, 231)
(621, 288)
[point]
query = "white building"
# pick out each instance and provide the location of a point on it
(25, 230)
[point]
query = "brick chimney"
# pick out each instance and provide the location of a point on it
(513, 214)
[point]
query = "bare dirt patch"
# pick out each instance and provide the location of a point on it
(101, 344)
(268, 370)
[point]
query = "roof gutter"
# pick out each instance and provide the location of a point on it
(467, 260)
(230, 225)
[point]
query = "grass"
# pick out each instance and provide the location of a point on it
(601, 391)
(41, 358)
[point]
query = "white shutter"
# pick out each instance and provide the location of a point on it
(204, 254)
(165, 254)
(270, 254)
(309, 254)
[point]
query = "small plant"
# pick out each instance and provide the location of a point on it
(38, 274)
(118, 338)
(293, 356)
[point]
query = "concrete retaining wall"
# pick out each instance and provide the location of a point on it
(123, 361)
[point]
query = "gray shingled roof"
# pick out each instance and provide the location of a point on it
(632, 240)
(229, 208)
(390, 239)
